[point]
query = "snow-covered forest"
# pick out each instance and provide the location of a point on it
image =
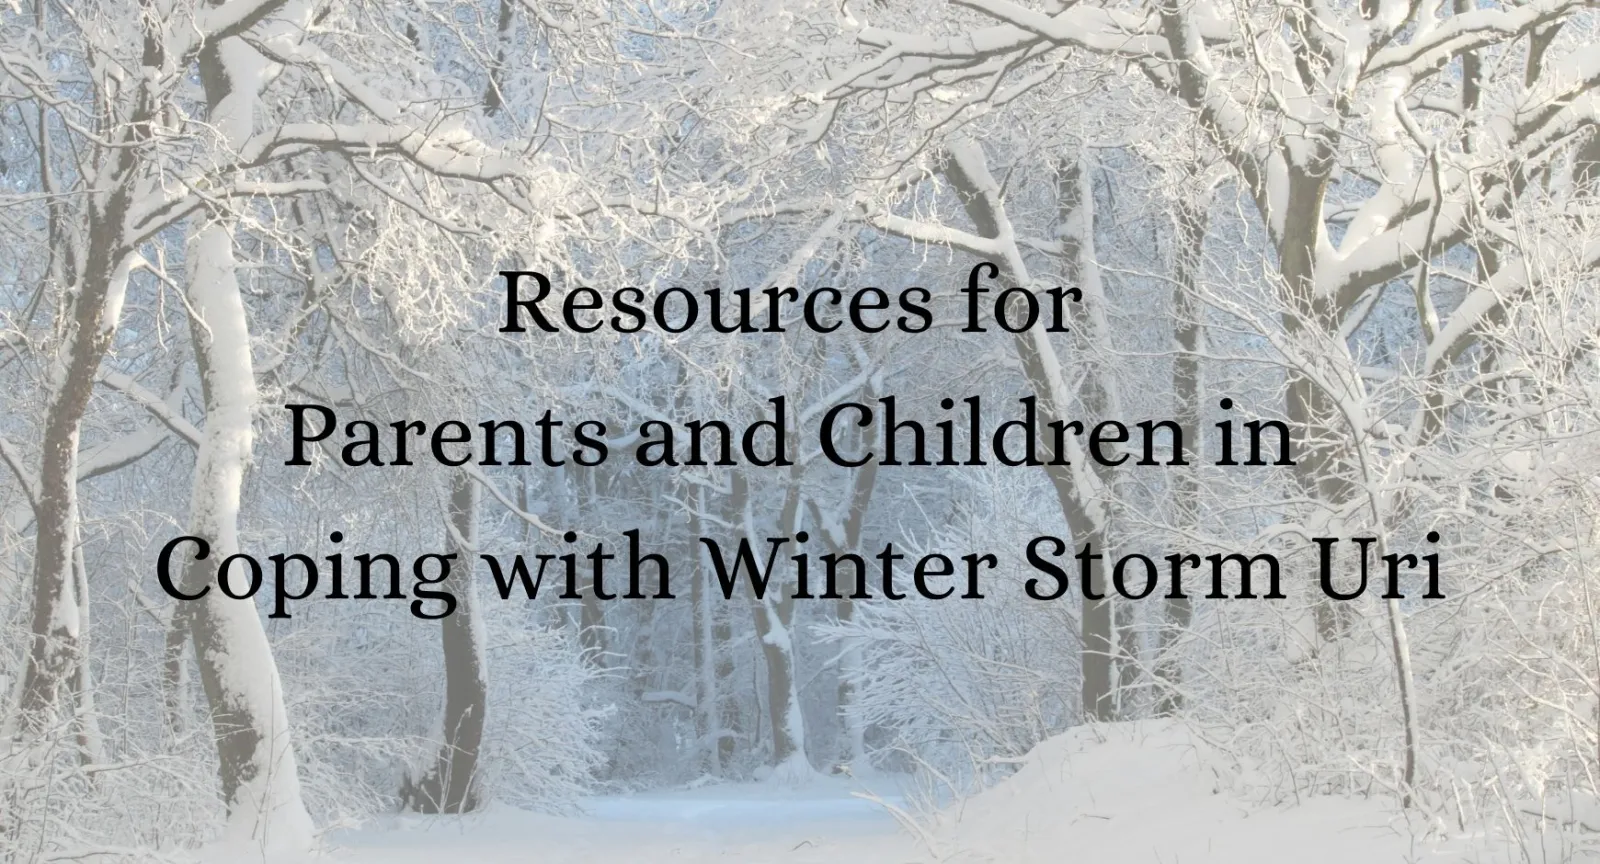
(1372, 224)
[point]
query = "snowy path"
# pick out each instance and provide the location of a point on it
(754, 823)
(1135, 793)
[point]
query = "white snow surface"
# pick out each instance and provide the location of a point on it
(1151, 792)
(1142, 792)
(820, 821)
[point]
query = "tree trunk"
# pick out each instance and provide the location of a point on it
(1408, 703)
(255, 756)
(493, 96)
(863, 484)
(730, 723)
(1586, 164)
(256, 761)
(451, 785)
(98, 291)
(1086, 511)
(174, 671)
(705, 646)
(774, 620)
(1321, 466)
(54, 651)
(591, 615)
(91, 749)
(1187, 334)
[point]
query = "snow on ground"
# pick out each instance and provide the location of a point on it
(1149, 792)
(1143, 792)
(820, 821)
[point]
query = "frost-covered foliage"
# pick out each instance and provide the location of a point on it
(1375, 222)
(965, 689)
(543, 742)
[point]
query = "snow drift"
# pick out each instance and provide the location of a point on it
(1135, 792)
(1152, 791)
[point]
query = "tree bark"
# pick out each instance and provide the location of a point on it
(1187, 334)
(255, 755)
(1085, 513)
(256, 761)
(705, 647)
(863, 483)
(774, 620)
(54, 651)
(451, 784)
(91, 749)
(730, 723)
